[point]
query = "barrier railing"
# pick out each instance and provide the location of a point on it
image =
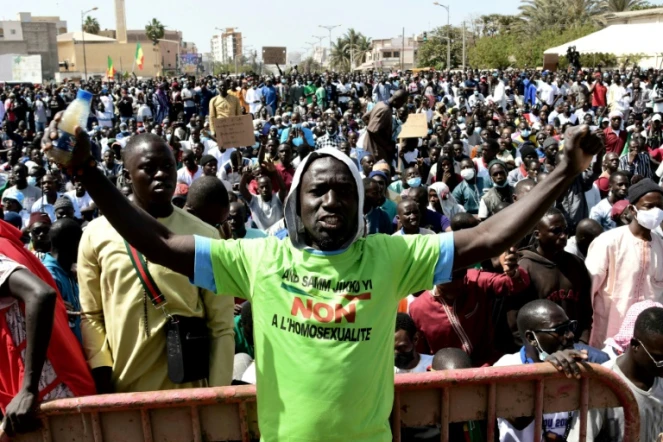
(435, 398)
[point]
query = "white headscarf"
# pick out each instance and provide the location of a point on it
(294, 223)
(450, 206)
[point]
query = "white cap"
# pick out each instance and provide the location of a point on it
(656, 117)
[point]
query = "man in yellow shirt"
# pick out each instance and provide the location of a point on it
(223, 105)
(123, 334)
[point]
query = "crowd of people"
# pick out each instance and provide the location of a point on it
(525, 227)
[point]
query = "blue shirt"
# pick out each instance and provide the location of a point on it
(269, 92)
(298, 141)
(68, 288)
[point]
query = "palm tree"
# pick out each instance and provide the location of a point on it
(91, 25)
(309, 65)
(339, 57)
(622, 5)
(558, 14)
(155, 31)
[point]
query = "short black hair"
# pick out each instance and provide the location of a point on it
(451, 359)
(207, 190)
(462, 221)
(619, 173)
(64, 233)
(405, 322)
(650, 321)
(492, 144)
(138, 140)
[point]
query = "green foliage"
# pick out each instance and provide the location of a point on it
(625, 5)
(309, 66)
(433, 53)
(520, 50)
(155, 31)
(603, 59)
(91, 25)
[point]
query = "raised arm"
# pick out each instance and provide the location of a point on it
(503, 230)
(244, 184)
(146, 234)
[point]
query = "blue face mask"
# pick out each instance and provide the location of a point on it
(525, 133)
(414, 182)
(543, 355)
(32, 181)
(501, 186)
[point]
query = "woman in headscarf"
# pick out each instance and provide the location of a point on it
(442, 201)
(162, 104)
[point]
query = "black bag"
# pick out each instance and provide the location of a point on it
(187, 344)
(187, 339)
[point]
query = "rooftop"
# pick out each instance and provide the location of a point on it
(89, 38)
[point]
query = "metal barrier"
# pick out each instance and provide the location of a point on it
(229, 413)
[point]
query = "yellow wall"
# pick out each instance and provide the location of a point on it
(97, 57)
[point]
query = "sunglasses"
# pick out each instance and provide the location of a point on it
(562, 329)
(658, 364)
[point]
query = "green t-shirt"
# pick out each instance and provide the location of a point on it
(309, 89)
(241, 344)
(323, 326)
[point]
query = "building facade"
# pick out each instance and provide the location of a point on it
(27, 36)
(392, 54)
(226, 45)
(654, 15)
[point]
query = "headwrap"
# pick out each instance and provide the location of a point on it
(618, 208)
(14, 219)
(39, 217)
(615, 114)
(641, 188)
(549, 142)
(494, 162)
(293, 221)
(450, 206)
(13, 194)
(382, 166)
(528, 149)
(380, 174)
(621, 340)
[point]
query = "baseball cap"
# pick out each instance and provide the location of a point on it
(656, 117)
(14, 194)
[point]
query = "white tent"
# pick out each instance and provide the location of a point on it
(621, 40)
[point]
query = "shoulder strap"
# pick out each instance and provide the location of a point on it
(150, 287)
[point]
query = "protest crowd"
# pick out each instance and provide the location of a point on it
(521, 225)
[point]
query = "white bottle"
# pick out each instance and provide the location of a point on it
(76, 114)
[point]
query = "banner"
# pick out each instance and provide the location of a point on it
(189, 62)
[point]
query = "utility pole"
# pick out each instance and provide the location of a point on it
(403, 50)
(329, 28)
(83, 32)
(448, 32)
(463, 46)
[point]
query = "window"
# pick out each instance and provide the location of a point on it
(12, 31)
(386, 55)
(2, 33)
(396, 55)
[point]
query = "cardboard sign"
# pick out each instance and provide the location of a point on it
(416, 126)
(234, 131)
(273, 55)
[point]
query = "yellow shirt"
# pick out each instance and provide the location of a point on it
(222, 107)
(114, 326)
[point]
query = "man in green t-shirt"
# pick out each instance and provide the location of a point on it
(324, 300)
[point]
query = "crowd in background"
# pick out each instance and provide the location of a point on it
(587, 280)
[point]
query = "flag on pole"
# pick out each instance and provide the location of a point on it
(110, 72)
(140, 58)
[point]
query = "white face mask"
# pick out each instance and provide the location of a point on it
(649, 219)
(543, 355)
(467, 174)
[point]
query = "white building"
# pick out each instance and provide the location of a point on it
(11, 31)
(392, 54)
(226, 45)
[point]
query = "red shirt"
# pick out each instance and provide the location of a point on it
(598, 95)
(614, 143)
(286, 174)
(472, 311)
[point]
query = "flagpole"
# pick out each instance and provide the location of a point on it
(133, 66)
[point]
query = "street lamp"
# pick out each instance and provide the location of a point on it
(329, 28)
(83, 32)
(448, 33)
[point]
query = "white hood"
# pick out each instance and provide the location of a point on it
(293, 221)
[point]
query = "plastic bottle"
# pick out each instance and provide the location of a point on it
(76, 114)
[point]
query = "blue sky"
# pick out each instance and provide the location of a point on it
(270, 23)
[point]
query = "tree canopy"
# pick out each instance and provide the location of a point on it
(91, 25)
(155, 30)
